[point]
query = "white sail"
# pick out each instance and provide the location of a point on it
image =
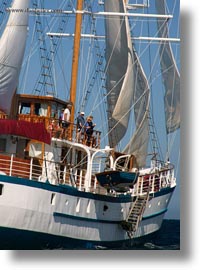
(11, 58)
(138, 145)
(119, 71)
(126, 85)
(170, 73)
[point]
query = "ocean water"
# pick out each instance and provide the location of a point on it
(167, 238)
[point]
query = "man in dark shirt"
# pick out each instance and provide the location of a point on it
(80, 125)
(89, 127)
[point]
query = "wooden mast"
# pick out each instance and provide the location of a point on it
(75, 60)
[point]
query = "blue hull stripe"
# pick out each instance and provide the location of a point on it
(56, 214)
(65, 189)
(155, 214)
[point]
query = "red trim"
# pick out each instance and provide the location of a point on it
(35, 131)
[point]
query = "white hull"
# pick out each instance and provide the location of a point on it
(65, 212)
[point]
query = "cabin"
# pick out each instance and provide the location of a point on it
(32, 133)
(47, 110)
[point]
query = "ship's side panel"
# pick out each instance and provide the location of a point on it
(34, 209)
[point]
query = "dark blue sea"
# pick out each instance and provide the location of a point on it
(167, 238)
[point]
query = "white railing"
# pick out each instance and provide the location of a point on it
(23, 168)
(37, 170)
(55, 173)
(154, 181)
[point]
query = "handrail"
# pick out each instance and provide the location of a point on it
(57, 131)
(3, 115)
(25, 168)
(117, 159)
(54, 127)
(154, 181)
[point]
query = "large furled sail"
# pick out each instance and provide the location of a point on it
(119, 71)
(170, 73)
(11, 57)
(138, 145)
(126, 84)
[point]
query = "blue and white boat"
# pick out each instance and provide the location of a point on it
(117, 180)
(59, 190)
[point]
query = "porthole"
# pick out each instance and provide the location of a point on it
(105, 208)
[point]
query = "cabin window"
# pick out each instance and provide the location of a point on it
(2, 145)
(1, 189)
(25, 108)
(54, 111)
(59, 112)
(37, 108)
(40, 109)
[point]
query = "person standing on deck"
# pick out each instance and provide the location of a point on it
(65, 120)
(89, 127)
(80, 125)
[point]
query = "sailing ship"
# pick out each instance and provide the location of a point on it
(59, 187)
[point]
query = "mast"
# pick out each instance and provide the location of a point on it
(75, 60)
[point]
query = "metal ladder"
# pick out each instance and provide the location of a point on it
(135, 214)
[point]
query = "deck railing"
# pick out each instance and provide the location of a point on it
(3, 115)
(153, 182)
(38, 170)
(55, 129)
(34, 169)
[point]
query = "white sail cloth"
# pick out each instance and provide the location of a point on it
(170, 73)
(12, 47)
(119, 71)
(126, 84)
(138, 145)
